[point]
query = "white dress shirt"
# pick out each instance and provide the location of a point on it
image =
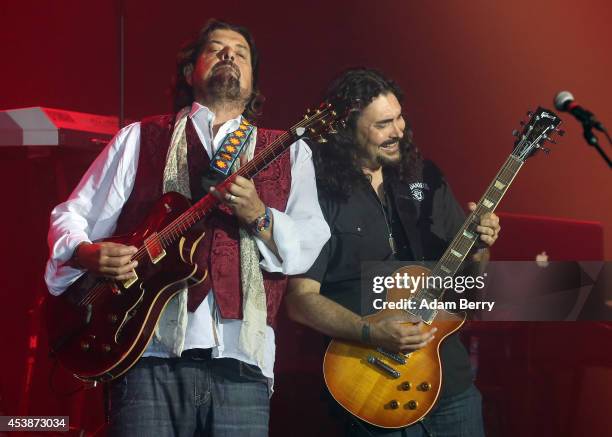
(92, 210)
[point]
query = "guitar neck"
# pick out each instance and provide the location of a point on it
(199, 210)
(542, 124)
(460, 247)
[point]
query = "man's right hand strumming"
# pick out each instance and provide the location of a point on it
(396, 335)
(111, 260)
(306, 305)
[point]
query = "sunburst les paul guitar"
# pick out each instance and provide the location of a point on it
(98, 328)
(393, 390)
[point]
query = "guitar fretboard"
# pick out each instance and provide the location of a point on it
(460, 247)
(198, 211)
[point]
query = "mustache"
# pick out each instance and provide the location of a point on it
(230, 64)
(389, 142)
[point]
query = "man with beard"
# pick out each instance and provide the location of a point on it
(209, 367)
(383, 202)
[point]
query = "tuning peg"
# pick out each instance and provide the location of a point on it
(561, 132)
(332, 131)
(515, 133)
(308, 111)
(529, 113)
(321, 139)
(343, 124)
(544, 149)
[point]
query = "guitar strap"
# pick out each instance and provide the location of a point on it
(231, 147)
(224, 160)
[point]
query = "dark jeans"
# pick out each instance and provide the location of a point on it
(453, 416)
(189, 397)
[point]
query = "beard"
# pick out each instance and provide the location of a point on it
(389, 160)
(224, 83)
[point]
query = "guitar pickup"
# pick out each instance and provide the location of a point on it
(384, 367)
(398, 358)
(129, 282)
(155, 248)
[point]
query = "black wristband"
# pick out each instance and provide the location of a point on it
(365, 334)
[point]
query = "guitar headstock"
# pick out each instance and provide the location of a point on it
(540, 127)
(320, 123)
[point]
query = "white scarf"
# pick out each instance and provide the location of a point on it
(172, 326)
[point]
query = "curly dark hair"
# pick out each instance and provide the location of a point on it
(191, 50)
(336, 162)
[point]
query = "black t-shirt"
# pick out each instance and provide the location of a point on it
(423, 218)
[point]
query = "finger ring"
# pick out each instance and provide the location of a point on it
(232, 198)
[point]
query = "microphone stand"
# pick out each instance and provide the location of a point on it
(591, 139)
(121, 56)
(605, 131)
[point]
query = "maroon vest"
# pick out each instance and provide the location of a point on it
(220, 251)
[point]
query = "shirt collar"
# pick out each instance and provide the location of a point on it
(203, 116)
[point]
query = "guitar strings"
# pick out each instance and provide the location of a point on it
(507, 174)
(194, 214)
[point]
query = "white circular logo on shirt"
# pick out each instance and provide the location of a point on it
(417, 190)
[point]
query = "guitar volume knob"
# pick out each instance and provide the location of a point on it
(425, 386)
(394, 404)
(412, 405)
(405, 385)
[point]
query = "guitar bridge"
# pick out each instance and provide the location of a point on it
(384, 367)
(129, 282)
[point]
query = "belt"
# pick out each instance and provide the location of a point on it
(197, 354)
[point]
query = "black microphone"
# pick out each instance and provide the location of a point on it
(564, 101)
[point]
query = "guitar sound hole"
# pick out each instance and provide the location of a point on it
(129, 315)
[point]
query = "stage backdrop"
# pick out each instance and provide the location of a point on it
(470, 71)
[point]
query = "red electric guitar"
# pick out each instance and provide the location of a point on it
(98, 328)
